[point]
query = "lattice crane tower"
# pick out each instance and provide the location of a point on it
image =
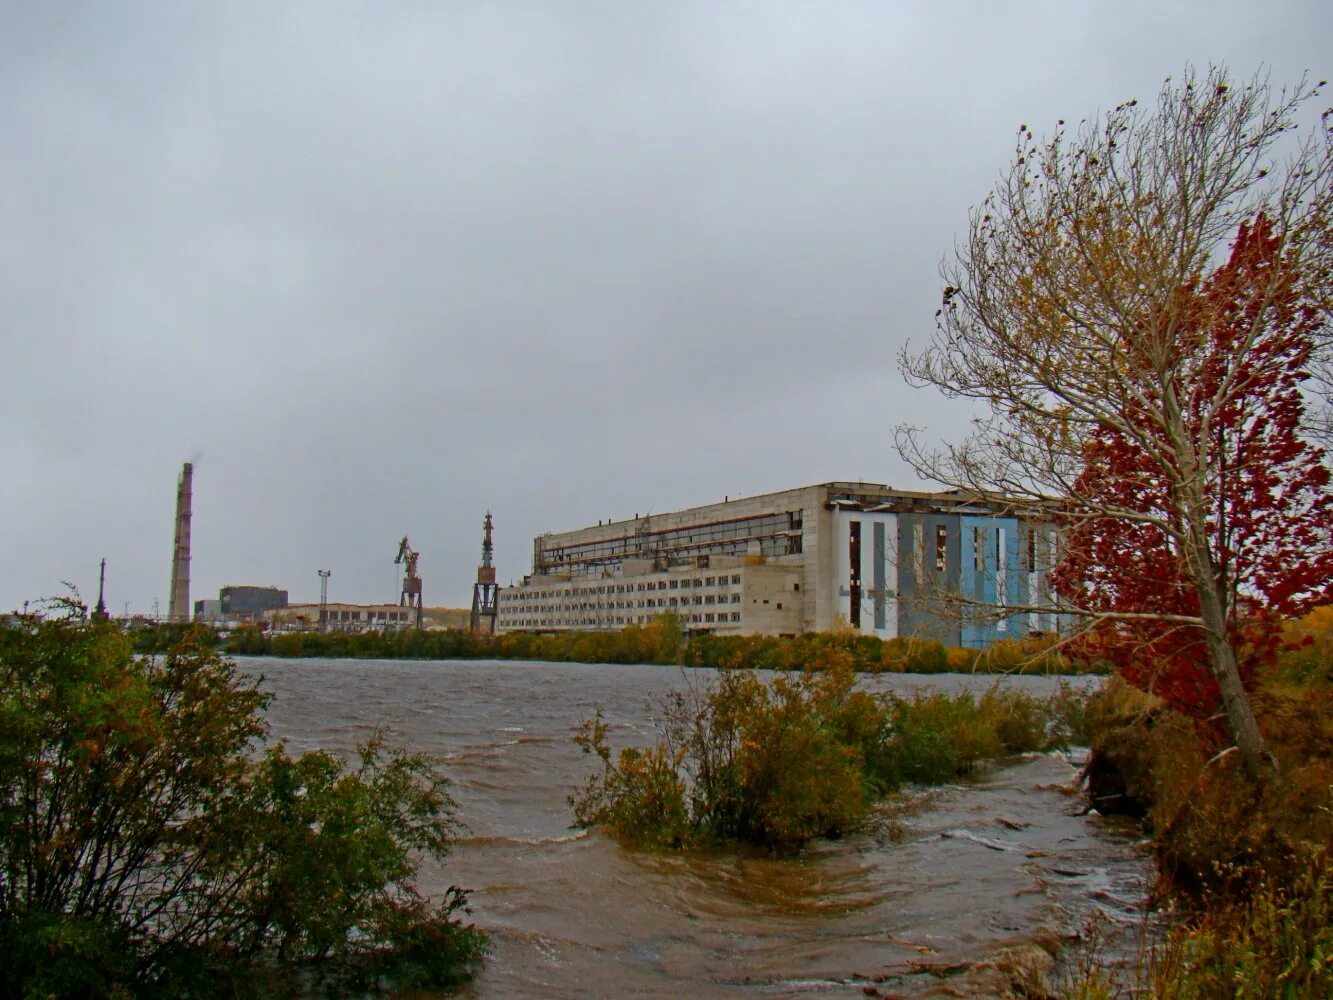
(411, 593)
(484, 591)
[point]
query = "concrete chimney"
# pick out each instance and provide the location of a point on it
(179, 608)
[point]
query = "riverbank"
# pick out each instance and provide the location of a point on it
(1244, 885)
(662, 642)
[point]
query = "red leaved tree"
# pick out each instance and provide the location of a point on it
(1119, 368)
(1235, 356)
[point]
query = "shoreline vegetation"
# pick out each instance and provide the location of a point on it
(662, 641)
(155, 842)
(1243, 899)
(93, 734)
(778, 763)
(1244, 894)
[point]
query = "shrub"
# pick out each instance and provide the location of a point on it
(1213, 824)
(147, 849)
(936, 737)
(771, 764)
(800, 757)
(1067, 709)
(1021, 722)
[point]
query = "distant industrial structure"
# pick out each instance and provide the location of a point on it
(100, 613)
(865, 556)
(178, 607)
(484, 590)
(241, 603)
(410, 597)
(339, 617)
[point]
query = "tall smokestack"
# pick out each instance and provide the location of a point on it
(179, 608)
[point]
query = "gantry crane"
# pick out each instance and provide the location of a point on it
(411, 595)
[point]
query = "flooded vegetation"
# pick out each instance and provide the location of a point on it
(948, 878)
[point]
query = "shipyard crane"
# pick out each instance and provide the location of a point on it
(411, 594)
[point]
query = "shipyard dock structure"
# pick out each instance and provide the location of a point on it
(882, 561)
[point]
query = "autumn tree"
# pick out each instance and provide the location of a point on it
(1136, 305)
(1269, 511)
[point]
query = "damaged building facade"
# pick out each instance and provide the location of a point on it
(879, 560)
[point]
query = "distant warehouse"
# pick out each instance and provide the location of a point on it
(882, 561)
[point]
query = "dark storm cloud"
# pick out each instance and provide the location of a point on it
(388, 265)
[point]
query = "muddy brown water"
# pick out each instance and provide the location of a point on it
(1000, 859)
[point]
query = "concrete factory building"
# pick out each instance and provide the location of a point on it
(339, 617)
(883, 561)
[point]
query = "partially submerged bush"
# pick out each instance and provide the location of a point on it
(772, 764)
(803, 756)
(146, 850)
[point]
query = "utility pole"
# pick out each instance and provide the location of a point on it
(324, 575)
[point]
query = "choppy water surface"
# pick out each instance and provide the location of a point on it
(572, 914)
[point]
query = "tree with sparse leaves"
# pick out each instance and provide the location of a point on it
(1138, 304)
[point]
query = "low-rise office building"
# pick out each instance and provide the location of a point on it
(861, 555)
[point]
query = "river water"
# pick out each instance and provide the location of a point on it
(982, 865)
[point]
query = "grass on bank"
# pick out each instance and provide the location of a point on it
(804, 755)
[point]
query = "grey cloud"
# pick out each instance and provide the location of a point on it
(388, 265)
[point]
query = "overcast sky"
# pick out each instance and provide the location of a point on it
(379, 267)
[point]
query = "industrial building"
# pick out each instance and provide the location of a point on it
(343, 617)
(250, 602)
(883, 561)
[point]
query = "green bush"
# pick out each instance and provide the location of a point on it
(802, 756)
(148, 849)
(773, 764)
(936, 737)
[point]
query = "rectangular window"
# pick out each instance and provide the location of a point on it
(941, 547)
(736, 578)
(978, 549)
(854, 577)
(735, 616)
(710, 581)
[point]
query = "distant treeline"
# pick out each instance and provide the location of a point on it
(662, 641)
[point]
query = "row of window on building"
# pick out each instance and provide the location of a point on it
(697, 618)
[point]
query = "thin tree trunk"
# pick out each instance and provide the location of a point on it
(1222, 664)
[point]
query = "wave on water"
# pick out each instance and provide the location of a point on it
(976, 838)
(493, 841)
